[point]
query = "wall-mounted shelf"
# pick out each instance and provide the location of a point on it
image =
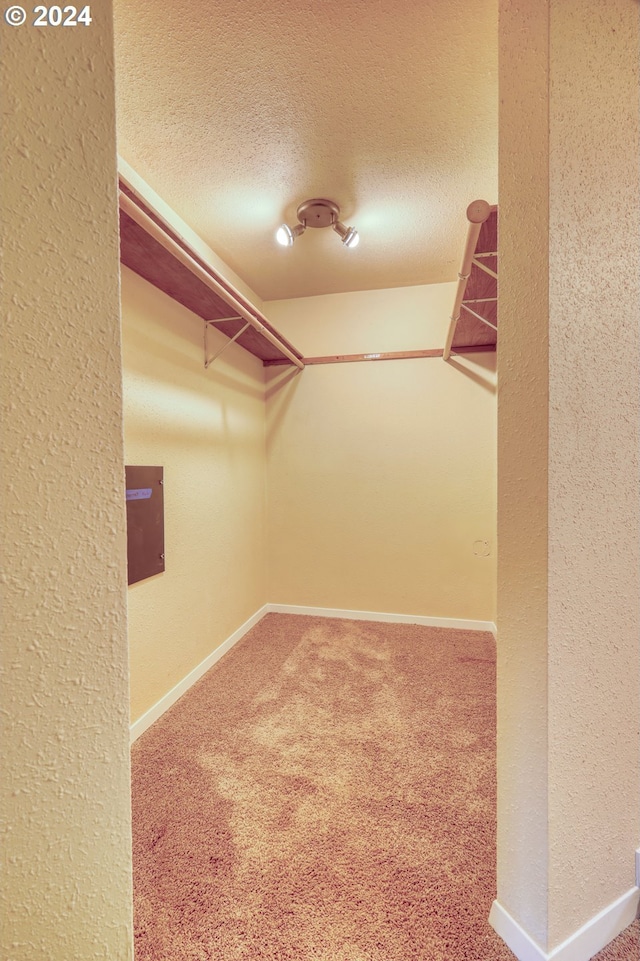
(156, 251)
(153, 249)
(474, 319)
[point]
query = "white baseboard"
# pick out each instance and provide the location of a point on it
(583, 943)
(147, 719)
(158, 709)
(450, 622)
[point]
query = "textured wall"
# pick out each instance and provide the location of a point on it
(381, 476)
(207, 429)
(65, 786)
(568, 620)
(522, 467)
(594, 492)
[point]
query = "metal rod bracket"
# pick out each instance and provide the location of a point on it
(484, 267)
(208, 361)
(478, 316)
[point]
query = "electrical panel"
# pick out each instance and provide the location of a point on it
(145, 522)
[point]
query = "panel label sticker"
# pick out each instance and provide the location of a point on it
(139, 494)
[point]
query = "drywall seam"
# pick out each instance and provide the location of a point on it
(451, 623)
(158, 709)
(599, 931)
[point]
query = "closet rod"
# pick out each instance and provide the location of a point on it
(477, 213)
(154, 230)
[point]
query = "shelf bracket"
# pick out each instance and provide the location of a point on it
(208, 361)
(484, 267)
(478, 316)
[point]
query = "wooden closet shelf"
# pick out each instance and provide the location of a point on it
(474, 319)
(151, 248)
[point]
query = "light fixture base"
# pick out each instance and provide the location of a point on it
(318, 213)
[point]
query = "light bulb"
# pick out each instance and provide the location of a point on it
(352, 239)
(284, 236)
(348, 235)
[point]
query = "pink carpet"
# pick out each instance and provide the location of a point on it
(325, 793)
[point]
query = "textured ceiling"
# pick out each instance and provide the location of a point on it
(236, 111)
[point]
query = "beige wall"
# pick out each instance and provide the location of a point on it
(568, 581)
(594, 489)
(381, 476)
(522, 468)
(207, 429)
(394, 530)
(65, 786)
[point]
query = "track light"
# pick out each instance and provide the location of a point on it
(348, 235)
(317, 213)
(285, 235)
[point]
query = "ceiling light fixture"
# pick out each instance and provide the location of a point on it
(317, 213)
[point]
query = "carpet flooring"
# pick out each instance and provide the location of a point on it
(326, 792)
